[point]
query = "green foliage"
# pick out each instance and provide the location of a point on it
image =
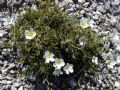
(59, 34)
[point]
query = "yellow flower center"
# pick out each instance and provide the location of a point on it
(30, 34)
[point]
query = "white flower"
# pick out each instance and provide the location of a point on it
(8, 21)
(59, 63)
(95, 60)
(68, 68)
(30, 34)
(85, 22)
(22, 12)
(117, 84)
(57, 72)
(48, 57)
(34, 7)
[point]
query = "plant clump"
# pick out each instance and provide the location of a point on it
(51, 43)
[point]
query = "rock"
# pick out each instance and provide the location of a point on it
(8, 77)
(3, 82)
(119, 70)
(115, 3)
(86, 4)
(117, 84)
(13, 88)
(1, 77)
(100, 77)
(8, 82)
(31, 79)
(101, 8)
(1, 63)
(2, 33)
(71, 83)
(5, 63)
(5, 71)
(107, 5)
(21, 88)
(82, 12)
(12, 65)
(17, 84)
(6, 52)
(94, 5)
(113, 78)
(81, 1)
(1, 1)
(92, 88)
(12, 72)
(103, 85)
(1, 44)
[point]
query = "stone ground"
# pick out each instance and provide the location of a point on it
(105, 13)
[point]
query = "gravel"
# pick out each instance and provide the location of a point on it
(106, 15)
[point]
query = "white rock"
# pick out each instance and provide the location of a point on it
(17, 84)
(4, 71)
(8, 82)
(118, 48)
(11, 65)
(13, 88)
(117, 84)
(81, 1)
(115, 37)
(1, 77)
(21, 88)
(2, 32)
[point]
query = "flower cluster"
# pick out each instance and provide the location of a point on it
(58, 64)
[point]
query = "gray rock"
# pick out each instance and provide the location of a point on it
(6, 52)
(1, 77)
(5, 71)
(2, 33)
(103, 85)
(8, 82)
(21, 88)
(119, 70)
(101, 8)
(1, 63)
(114, 71)
(8, 77)
(1, 44)
(13, 88)
(107, 5)
(119, 77)
(15, 2)
(1, 1)
(12, 71)
(100, 77)
(81, 1)
(12, 65)
(113, 78)
(5, 63)
(3, 82)
(92, 88)
(94, 5)
(17, 84)
(115, 3)
(86, 4)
